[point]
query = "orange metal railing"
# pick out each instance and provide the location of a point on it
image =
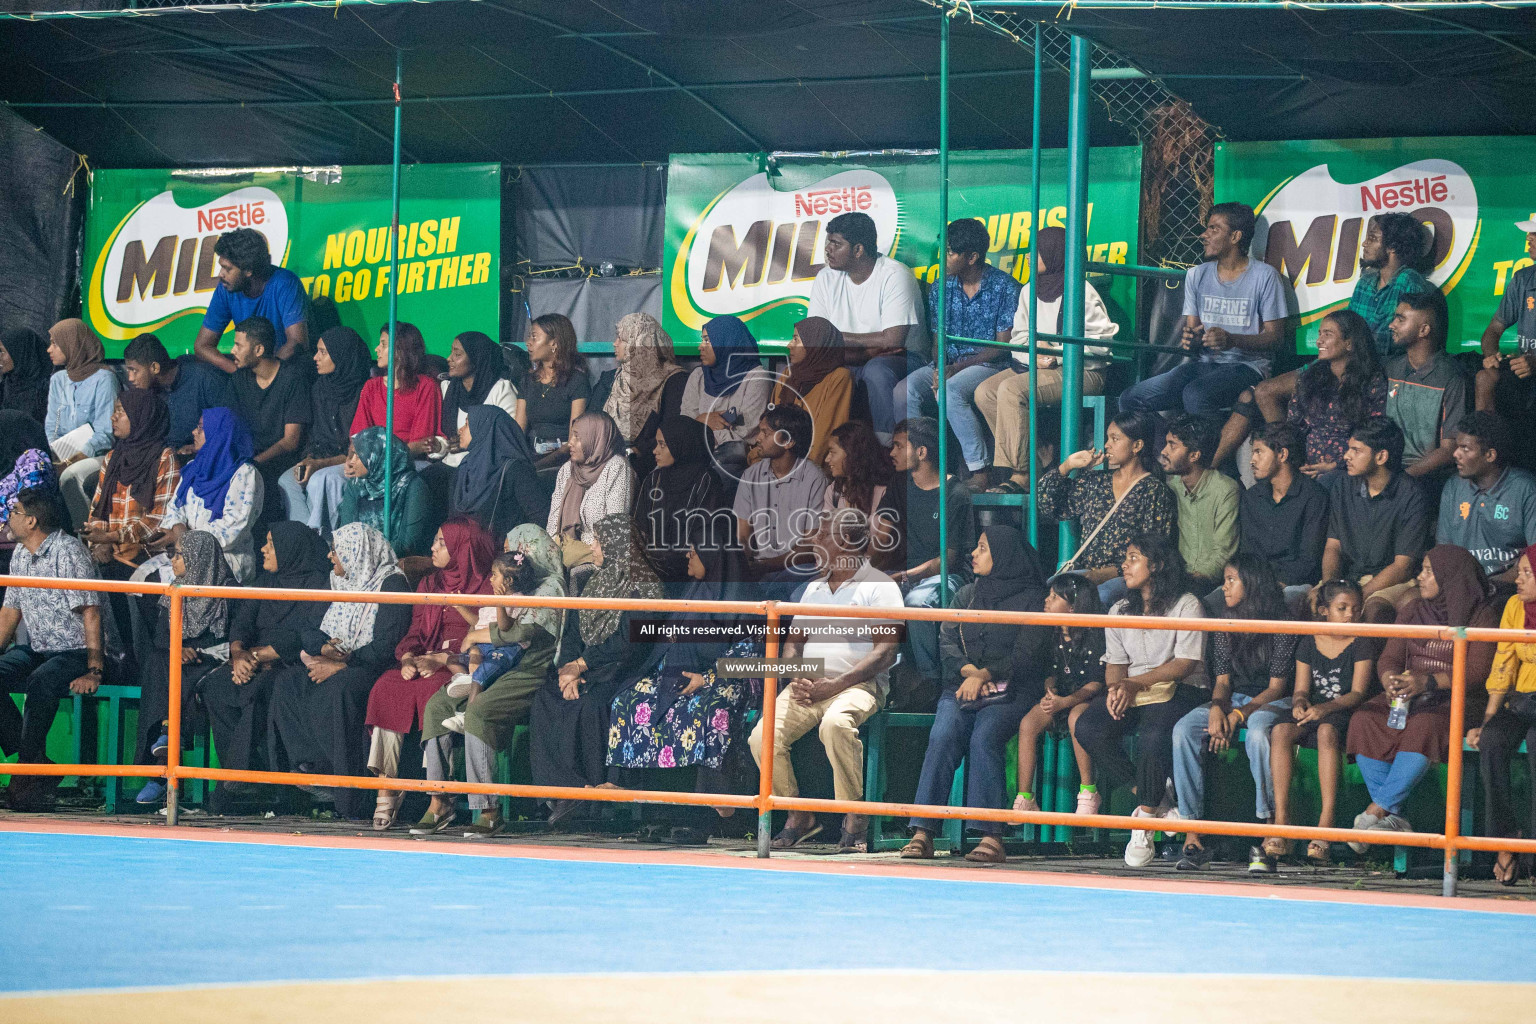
(1450, 841)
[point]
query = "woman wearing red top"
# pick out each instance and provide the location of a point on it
(418, 402)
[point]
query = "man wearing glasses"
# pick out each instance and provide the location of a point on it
(64, 652)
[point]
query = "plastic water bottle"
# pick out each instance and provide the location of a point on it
(1397, 715)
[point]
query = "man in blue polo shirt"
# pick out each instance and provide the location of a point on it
(979, 303)
(250, 286)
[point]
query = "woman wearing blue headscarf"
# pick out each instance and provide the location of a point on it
(729, 392)
(220, 492)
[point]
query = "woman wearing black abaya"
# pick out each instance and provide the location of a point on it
(264, 636)
(679, 498)
(569, 723)
(497, 485)
(318, 705)
(24, 372)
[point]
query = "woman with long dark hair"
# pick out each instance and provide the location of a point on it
(1110, 507)
(1338, 391)
(1152, 678)
(1075, 676)
(555, 390)
(1333, 677)
(418, 403)
(991, 678)
(1254, 674)
(860, 468)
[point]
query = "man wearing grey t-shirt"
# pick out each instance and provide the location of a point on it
(1234, 307)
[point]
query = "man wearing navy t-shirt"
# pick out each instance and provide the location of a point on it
(250, 286)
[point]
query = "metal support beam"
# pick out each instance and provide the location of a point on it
(1077, 258)
(942, 341)
(1034, 328)
(394, 302)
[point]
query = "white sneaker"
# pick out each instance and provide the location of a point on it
(459, 686)
(455, 723)
(1140, 850)
(1089, 803)
(1021, 804)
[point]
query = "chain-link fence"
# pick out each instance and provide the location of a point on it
(1178, 146)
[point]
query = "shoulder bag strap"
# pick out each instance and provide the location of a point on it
(1067, 566)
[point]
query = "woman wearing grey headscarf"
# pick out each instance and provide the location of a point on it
(198, 560)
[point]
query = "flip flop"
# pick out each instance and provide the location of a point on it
(789, 838)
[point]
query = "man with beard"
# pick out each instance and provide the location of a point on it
(1395, 246)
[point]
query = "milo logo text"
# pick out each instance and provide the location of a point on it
(159, 263)
(1312, 228)
(756, 247)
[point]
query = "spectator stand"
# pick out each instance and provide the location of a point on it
(1121, 23)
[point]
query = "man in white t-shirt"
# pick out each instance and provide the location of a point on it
(1234, 309)
(853, 683)
(875, 301)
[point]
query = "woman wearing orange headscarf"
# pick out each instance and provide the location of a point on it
(816, 380)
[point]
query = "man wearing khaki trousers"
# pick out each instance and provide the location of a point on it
(1004, 397)
(853, 682)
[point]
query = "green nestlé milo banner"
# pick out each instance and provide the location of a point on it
(747, 240)
(1315, 199)
(150, 266)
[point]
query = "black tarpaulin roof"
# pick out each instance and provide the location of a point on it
(524, 81)
(633, 80)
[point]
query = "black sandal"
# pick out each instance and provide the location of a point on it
(789, 838)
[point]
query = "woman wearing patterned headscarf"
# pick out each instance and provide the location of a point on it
(570, 713)
(319, 704)
(461, 557)
(197, 560)
(489, 718)
(597, 481)
(362, 499)
(816, 380)
(648, 387)
(80, 395)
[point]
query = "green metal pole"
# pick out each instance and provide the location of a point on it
(943, 328)
(394, 301)
(1077, 256)
(1034, 330)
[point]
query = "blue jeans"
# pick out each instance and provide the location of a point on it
(1189, 743)
(1390, 782)
(980, 738)
(879, 377)
(316, 502)
(923, 637)
(496, 662)
(959, 392)
(1195, 387)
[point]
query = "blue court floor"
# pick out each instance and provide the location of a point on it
(97, 912)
